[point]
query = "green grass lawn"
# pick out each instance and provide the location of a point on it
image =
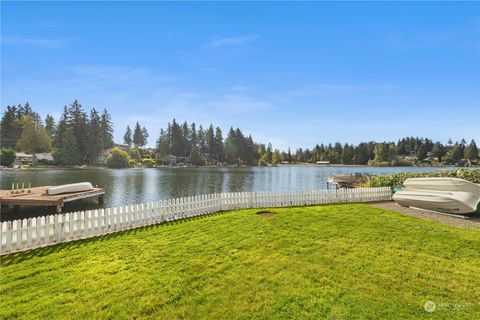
(335, 261)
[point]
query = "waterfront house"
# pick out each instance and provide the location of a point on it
(168, 159)
(101, 159)
(46, 157)
(23, 158)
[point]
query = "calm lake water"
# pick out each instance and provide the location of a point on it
(129, 186)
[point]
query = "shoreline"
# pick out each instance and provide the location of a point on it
(45, 168)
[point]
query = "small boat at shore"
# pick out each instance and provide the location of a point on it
(450, 195)
(69, 188)
(349, 180)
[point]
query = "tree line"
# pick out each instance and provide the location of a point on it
(80, 137)
(199, 146)
(207, 146)
(404, 152)
(77, 138)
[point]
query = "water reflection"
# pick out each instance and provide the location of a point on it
(128, 186)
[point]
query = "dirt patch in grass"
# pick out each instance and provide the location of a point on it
(266, 213)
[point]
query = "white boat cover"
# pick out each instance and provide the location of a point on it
(67, 188)
(451, 195)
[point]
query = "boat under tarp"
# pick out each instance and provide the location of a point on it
(349, 180)
(450, 195)
(69, 188)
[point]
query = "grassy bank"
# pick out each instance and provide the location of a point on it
(336, 261)
(397, 179)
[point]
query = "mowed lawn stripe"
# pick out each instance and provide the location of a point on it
(333, 261)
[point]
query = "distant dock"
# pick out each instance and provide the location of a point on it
(38, 197)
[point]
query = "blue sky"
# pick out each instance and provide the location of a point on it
(291, 73)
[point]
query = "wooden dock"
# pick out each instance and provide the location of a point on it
(38, 197)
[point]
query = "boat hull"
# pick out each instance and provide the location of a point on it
(69, 188)
(450, 202)
(450, 195)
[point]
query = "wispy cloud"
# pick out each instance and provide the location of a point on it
(45, 43)
(232, 41)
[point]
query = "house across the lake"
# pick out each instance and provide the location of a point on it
(168, 159)
(46, 156)
(23, 158)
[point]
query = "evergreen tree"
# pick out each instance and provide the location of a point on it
(240, 146)
(471, 152)
(438, 151)
(95, 136)
(177, 140)
(402, 147)
(202, 144)
(79, 123)
(106, 129)
(218, 144)
(268, 153)
(348, 154)
(210, 140)
(50, 125)
(137, 136)
(61, 129)
(422, 152)
(186, 139)
(252, 156)
(163, 145)
(193, 136)
(127, 137)
(456, 153)
(25, 110)
(144, 136)
(10, 128)
(230, 149)
(362, 154)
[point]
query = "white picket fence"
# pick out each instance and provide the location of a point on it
(37, 232)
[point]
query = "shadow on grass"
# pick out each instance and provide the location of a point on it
(16, 257)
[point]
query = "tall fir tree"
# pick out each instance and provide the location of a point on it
(95, 136)
(127, 137)
(471, 151)
(50, 125)
(10, 128)
(202, 144)
(137, 136)
(106, 125)
(210, 141)
(144, 136)
(218, 144)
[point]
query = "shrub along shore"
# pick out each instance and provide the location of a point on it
(397, 179)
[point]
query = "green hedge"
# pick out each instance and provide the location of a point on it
(117, 159)
(397, 179)
(7, 157)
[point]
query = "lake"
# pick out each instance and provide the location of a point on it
(129, 186)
